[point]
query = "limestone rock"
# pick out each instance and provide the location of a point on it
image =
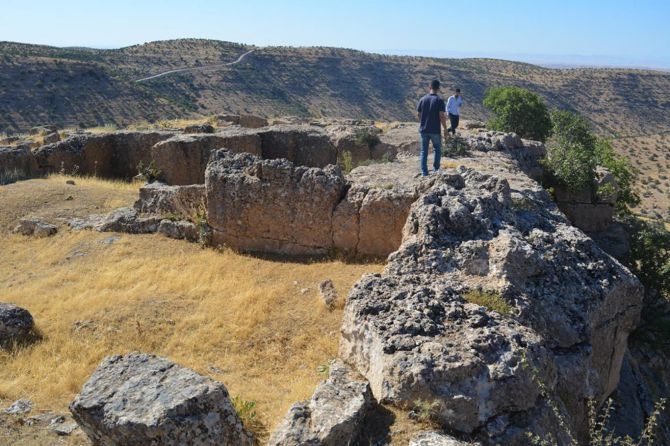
(199, 128)
(21, 406)
(35, 227)
(16, 163)
(51, 138)
(269, 206)
(437, 439)
(180, 230)
(127, 220)
(303, 145)
(182, 201)
(252, 122)
(332, 417)
(16, 326)
(111, 155)
(414, 334)
(404, 137)
(183, 159)
(361, 143)
(140, 399)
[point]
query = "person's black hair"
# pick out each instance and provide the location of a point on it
(435, 84)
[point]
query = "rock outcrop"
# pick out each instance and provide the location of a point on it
(141, 399)
(303, 145)
(112, 155)
(182, 201)
(271, 206)
(17, 326)
(438, 439)
(16, 163)
(183, 159)
(332, 417)
(414, 333)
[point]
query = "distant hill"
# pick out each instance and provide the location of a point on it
(88, 87)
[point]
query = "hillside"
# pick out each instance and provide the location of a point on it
(78, 86)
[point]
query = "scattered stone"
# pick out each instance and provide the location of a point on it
(437, 439)
(70, 182)
(252, 122)
(140, 399)
(51, 138)
(20, 407)
(333, 417)
(199, 128)
(35, 227)
(180, 230)
(127, 220)
(328, 293)
(17, 326)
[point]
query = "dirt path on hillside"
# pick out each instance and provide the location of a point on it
(206, 67)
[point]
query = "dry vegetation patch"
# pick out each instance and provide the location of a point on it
(256, 325)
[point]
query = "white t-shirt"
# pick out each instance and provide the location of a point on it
(454, 105)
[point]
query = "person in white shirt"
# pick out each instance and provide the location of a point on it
(453, 109)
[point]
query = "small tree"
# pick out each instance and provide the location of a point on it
(518, 110)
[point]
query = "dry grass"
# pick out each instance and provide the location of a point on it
(256, 325)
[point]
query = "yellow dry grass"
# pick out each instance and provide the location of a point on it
(256, 325)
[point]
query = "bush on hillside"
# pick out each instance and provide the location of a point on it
(518, 110)
(574, 152)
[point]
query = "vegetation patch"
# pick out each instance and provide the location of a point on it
(492, 300)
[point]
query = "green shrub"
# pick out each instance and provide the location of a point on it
(489, 299)
(345, 161)
(150, 172)
(368, 138)
(518, 110)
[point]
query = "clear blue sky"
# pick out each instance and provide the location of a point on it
(631, 32)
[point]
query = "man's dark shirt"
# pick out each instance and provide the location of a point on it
(430, 107)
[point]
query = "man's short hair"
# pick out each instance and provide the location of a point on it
(457, 90)
(435, 84)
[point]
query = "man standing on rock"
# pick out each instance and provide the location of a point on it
(454, 104)
(431, 115)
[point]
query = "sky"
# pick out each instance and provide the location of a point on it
(550, 32)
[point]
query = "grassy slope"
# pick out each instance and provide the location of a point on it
(256, 325)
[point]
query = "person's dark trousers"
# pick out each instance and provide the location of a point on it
(453, 120)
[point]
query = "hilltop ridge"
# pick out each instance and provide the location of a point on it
(87, 87)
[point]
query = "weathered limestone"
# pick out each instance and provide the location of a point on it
(112, 155)
(16, 163)
(412, 332)
(360, 143)
(332, 417)
(183, 159)
(140, 399)
(303, 145)
(182, 201)
(438, 439)
(269, 206)
(17, 326)
(35, 227)
(127, 220)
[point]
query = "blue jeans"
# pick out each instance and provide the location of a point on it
(436, 138)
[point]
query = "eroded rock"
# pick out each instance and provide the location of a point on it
(332, 417)
(140, 399)
(17, 326)
(35, 227)
(414, 334)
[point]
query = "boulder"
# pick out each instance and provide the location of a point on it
(17, 326)
(51, 138)
(183, 159)
(111, 155)
(498, 312)
(438, 439)
(328, 293)
(35, 227)
(589, 217)
(186, 202)
(271, 206)
(16, 163)
(332, 417)
(252, 122)
(180, 230)
(303, 145)
(127, 220)
(140, 399)
(199, 128)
